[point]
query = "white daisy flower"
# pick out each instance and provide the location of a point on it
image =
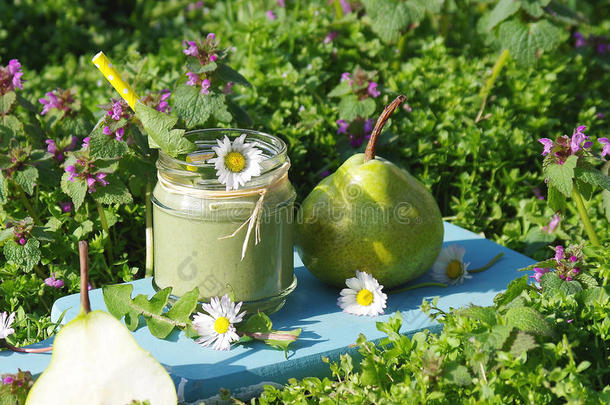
(449, 267)
(6, 321)
(217, 327)
(363, 296)
(236, 163)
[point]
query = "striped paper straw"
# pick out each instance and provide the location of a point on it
(110, 73)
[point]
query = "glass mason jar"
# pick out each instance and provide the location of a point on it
(238, 242)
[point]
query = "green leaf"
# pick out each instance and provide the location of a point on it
(107, 146)
(159, 126)
(76, 190)
(3, 189)
(195, 67)
(592, 295)
(182, 309)
(557, 201)
(502, 10)
(390, 17)
(606, 203)
(593, 177)
(483, 314)
(228, 74)
(523, 342)
(196, 108)
(560, 176)
(585, 189)
(25, 256)
(350, 107)
(550, 282)
(43, 233)
(26, 178)
(457, 374)
(118, 302)
(534, 7)
(525, 42)
(497, 336)
(241, 116)
(6, 234)
(257, 323)
(116, 192)
(6, 102)
(342, 89)
(529, 320)
(513, 290)
(586, 280)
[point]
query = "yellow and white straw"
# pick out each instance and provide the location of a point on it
(112, 75)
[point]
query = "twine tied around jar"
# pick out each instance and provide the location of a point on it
(254, 220)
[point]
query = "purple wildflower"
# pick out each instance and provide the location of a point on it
(342, 127)
(211, 37)
(580, 40)
(330, 37)
(281, 3)
(193, 80)
(325, 173)
(573, 258)
(85, 144)
(345, 6)
(228, 89)
(10, 77)
(163, 105)
(538, 272)
(570, 320)
(71, 170)
(552, 224)
(213, 57)
(606, 146)
(106, 130)
(52, 102)
(51, 147)
(270, 15)
(538, 193)
(407, 107)
(368, 127)
(65, 206)
(116, 110)
(601, 48)
(578, 137)
(558, 253)
(8, 380)
(22, 241)
(372, 90)
(101, 178)
(205, 86)
(53, 282)
(548, 144)
(191, 48)
(346, 76)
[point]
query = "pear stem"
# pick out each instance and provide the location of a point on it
(83, 248)
(369, 153)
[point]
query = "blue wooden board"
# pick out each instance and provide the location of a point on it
(313, 307)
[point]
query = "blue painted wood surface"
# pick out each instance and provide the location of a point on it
(326, 330)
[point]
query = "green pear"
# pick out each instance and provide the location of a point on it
(370, 215)
(96, 360)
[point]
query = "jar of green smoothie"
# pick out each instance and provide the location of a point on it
(221, 241)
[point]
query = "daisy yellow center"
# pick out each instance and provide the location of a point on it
(221, 325)
(235, 162)
(364, 297)
(454, 269)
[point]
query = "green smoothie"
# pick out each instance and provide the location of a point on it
(192, 247)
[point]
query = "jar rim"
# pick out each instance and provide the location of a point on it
(180, 171)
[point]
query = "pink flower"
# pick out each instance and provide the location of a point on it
(211, 37)
(116, 110)
(52, 102)
(606, 146)
(86, 141)
(558, 253)
(345, 76)
(205, 86)
(91, 183)
(71, 170)
(193, 80)
(101, 178)
(51, 147)
(10, 77)
(22, 241)
(580, 40)
(8, 380)
(106, 130)
(270, 15)
(538, 272)
(548, 144)
(372, 90)
(228, 89)
(118, 134)
(345, 6)
(342, 127)
(65, 206)
(368, 127)
(552, 224)
(281, 3)
(578, 137)
(192, 49)
(213, 57)
(330, 37)
(53, 282)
